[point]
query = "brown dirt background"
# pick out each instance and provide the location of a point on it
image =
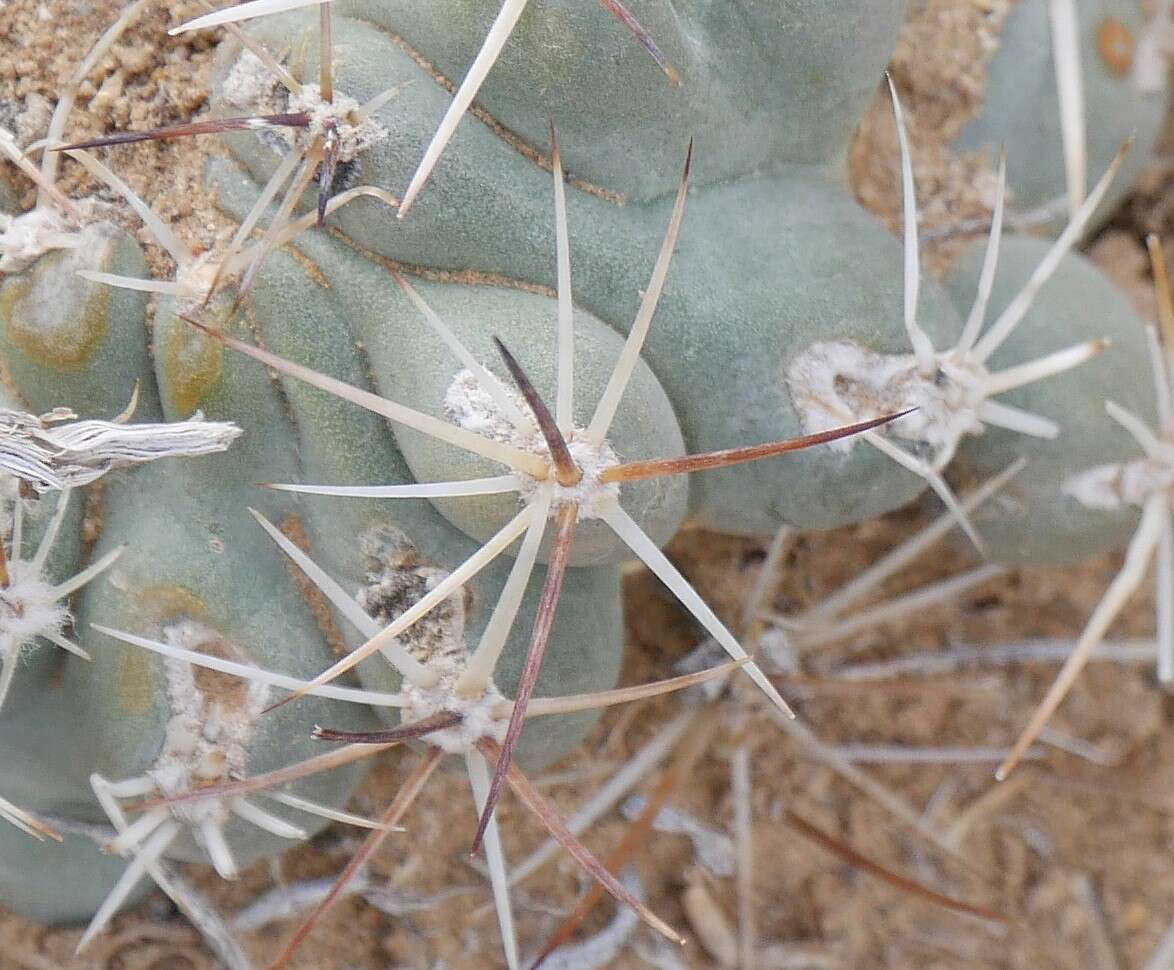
(1067, 821)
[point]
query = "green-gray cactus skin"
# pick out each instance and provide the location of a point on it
(192, 555)
(300, 306)
(1022, 110)
(51, 882)
(44, 880)
(1032, 520)
(52, 318)
(765, 265)
(763, 82)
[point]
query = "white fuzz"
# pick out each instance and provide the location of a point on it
(1119, 485)
(206, 738)
(194, 282)
(839, 382)
(469, 405)
(25, 238)
(355, 132)
(28, 609)
(478, 714)
(250, 85)
(396, 580)
(251, 88)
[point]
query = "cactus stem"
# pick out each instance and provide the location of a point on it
(5, 575)
(566, 472)
(424, 423)
(493, 387)
(1064, 22)
(545, 812)
(658, 467)
(567, 518)
(609, 402)
(408, 666)
(437, 595)
(923, 348)
(391, 818)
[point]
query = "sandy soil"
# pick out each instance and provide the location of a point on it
(1079, 852)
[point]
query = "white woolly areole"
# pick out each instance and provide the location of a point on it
(195, 283)
(251, 88)
(396, 580)
(27, 607)
(206, 738)
(833, 383)
(25, 238)
(355, 133)
(468, 404)
(1119, 485)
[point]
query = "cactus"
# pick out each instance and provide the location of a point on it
(1073, 80)
(469, 417)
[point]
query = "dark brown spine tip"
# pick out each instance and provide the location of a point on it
(566, 471)
(5, 578)
(214, 126)
(658, 467)
(556, 570)
(404, 732)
